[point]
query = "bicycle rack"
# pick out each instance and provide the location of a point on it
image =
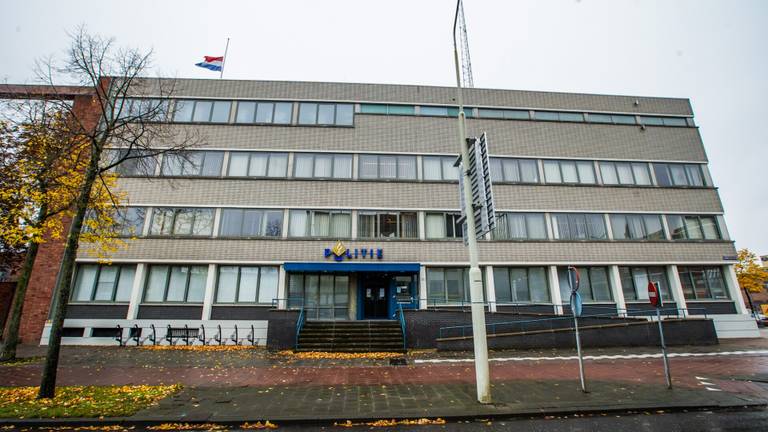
(153, 336)
(201, 335)
(186, 335)
(119, 336)
(252, 336)
(234, 337)
(136, 334)
(168, 336)
(218, 338)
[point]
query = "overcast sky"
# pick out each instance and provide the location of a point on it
(713, 52)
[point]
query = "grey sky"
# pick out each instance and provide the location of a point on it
(712, 52)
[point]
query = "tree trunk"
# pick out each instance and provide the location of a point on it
(62, 292)
(11, 335)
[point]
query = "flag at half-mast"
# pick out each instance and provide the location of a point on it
(212, 63)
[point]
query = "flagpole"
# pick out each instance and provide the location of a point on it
(224, 62)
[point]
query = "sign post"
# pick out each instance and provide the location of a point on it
(654, 295)
(576, 309)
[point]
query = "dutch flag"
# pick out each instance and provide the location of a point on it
(212, 63)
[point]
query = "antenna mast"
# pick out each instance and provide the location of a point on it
(466, 63)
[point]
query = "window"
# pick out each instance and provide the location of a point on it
(138, 163)
(564, 171)
(678, 175)
(634, 282)
(181, 221)
(322, 165)
(202, 111)
(388, 109)
(693, 227)
(520, 226)
(387, 167)
(447, 285)
(663, 121)
(514, 170)
(130, 221)
(440, 168)
(443, 225)
(178, 283)
(611, 118)
(702, 283)
(387, 225)
(326, 114)
(558, 116)
(437, 111)
(594, 285)
(103, 283)
(264, 112)
(251, 223)
(324, 296)
(246, 284)
(193, 163)
(625, 173)
(320, 223)
(504, 114)
(257, 164)
(520, 285)
(579, 226)
(141, 110)
(637, 227)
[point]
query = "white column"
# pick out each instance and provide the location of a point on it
(354, 224)
(136, 291)
(618, 291)
(734, 291)
(676, 288)
(216, 221)
(286, 218)
(608, 227)
(289, 168)
(423, 288)
(210, 287)
(225, 164)
(355, 162)
(554, 290)
(282, 292)
(490, 288)
(422, 225)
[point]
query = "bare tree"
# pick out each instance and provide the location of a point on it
(126, 111)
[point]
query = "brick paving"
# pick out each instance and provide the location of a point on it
(255, 384)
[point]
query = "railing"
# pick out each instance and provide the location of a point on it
(509, 326)
(402, 324)
(184, 334)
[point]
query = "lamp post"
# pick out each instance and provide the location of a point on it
(482, 374)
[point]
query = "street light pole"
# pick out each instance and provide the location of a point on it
(482, 374)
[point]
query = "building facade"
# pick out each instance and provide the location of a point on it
(343, 199)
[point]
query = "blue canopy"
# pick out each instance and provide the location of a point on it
(351, 267)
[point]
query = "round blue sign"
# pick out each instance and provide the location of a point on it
(576, 304)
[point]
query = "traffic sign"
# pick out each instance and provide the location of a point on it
(654, 294)
(576, 304)
(573, 278)
(480, 185)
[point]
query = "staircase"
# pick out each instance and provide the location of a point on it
(351, 336)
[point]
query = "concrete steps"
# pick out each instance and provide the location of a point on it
(351, 336)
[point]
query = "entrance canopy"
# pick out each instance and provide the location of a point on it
(332, 267)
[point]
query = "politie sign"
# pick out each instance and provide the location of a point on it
(654, 295)
(340, 252)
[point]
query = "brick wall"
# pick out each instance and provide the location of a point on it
(42, 282)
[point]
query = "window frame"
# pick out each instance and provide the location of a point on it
(194, 110)
(176, 212)
(666, 296)
(464, 288)
(441, 160)
(377, 224)
(513, 293)
(582, 288)
(502, 216)
(613, 218)
(687, 270)
(251, 155)
(613, 166)
(576, 164)
(167, 283)
(236, 302)
(316, 111)
(517, 162)
(444, 218)
(256, 111)
(666, 168)
(378, 167)
(262, 228)
(95, 283)
(310, 223)
(557, 235)
(333, 165)
(181, 156)
(684, 226)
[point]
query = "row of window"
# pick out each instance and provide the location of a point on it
(248, 223)
(342, 114)
(258, 285)
(404, 167)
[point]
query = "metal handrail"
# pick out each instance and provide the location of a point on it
(493, 327)
(402, 323)
(299, 325)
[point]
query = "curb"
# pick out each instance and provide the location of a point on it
(322, 420)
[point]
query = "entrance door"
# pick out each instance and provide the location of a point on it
(375, 297)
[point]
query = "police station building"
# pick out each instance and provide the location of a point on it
(341, 200)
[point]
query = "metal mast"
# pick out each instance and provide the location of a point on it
(466, 63)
